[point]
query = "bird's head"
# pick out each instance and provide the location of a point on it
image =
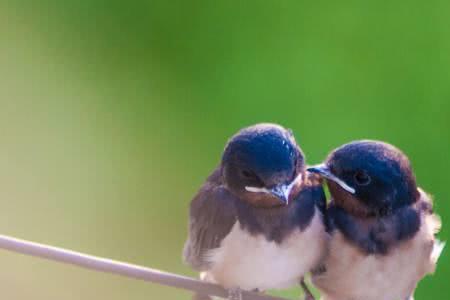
(263, 165)
(369, 178)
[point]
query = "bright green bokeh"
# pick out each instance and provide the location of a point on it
(112, 113)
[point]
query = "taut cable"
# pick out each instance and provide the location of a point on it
(121, 268)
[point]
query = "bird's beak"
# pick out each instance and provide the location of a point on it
(281, 192)
(325, 172)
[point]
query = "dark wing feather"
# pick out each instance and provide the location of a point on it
(212, 215)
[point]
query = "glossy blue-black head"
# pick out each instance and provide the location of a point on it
(369, 177)
(262, 164)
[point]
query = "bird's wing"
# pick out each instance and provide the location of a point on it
(212, 215)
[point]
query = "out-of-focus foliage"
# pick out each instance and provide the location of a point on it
(112, 113)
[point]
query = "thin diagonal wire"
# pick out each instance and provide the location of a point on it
(120, 268)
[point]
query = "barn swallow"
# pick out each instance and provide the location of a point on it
(383, 227)
(257, 223)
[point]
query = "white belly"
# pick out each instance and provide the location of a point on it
(354, 275)
(252, 262)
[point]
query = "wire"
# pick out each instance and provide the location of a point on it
(121, 268)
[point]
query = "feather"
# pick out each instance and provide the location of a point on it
(438, 247)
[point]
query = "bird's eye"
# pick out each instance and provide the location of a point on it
(362, 178)
(248, 174)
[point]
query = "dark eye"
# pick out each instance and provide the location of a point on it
(251, 176)
(361, 178)
(248, 174)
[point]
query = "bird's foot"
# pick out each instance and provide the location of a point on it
(234, 294)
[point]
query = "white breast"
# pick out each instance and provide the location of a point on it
(352, 274)
(251, 262)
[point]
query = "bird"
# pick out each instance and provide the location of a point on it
(382, 225)
(257, 223)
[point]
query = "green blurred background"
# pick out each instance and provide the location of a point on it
(113, 113)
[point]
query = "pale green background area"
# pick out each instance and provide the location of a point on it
(112, 114)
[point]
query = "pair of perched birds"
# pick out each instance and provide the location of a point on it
(261, 220)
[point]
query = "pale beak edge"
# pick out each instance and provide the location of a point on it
(325, 172)
(280, 191)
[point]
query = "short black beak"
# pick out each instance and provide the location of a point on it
(325, 172)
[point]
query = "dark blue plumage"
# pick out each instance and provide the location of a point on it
(391, 181)
(266, 151)
(263, 156)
